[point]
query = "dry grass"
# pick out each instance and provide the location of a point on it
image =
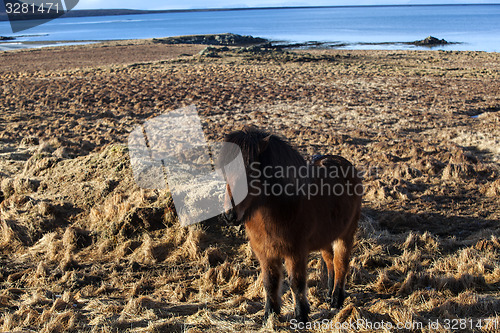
(83, 249)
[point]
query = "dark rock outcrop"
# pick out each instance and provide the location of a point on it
(226, 39)
(430, 41)
(261, 49)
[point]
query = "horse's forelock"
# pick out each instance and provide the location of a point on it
(274, 153)
(248, 140)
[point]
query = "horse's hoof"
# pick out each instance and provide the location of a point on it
(269, 313)
(338, 298)
(302, 313)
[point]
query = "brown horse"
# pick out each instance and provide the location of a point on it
(292, 208)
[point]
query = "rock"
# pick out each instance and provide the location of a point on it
(226, 39)
(209, 52)
(258, 49)
(430, 41)
(6, 38)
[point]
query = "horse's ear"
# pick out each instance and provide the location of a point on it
(264, 143)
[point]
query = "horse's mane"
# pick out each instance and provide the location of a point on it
(270, 151)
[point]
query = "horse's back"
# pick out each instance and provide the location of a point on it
(330, 161)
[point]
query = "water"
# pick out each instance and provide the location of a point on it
(475, 27)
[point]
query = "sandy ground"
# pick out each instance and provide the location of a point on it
(92, 55)
(82, 248)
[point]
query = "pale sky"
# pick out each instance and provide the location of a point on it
(189, 4)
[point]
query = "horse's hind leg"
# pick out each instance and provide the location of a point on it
(327, 254)
(297, 273)
(342, 252)
(272, 274)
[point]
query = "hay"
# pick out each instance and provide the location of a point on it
(84, 249)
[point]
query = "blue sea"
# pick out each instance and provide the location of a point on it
(472, 27)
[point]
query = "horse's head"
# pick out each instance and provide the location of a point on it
(242, 184)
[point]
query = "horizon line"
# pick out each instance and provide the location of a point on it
(297, 7)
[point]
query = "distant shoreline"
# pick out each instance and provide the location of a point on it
(116, 12)
(218, 40)
(324, 33)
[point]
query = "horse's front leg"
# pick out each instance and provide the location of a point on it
(297, 272)
(272, 274)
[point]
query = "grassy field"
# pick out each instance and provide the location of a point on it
(84, 249)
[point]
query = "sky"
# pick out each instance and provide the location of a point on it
(190, 4)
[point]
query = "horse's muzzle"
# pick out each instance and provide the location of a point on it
(229, 217)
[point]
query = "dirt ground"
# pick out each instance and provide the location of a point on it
(84, 249)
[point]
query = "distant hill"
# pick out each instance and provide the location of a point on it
(86, 12)
(111, 12)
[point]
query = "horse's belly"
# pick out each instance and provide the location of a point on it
(329, 224)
